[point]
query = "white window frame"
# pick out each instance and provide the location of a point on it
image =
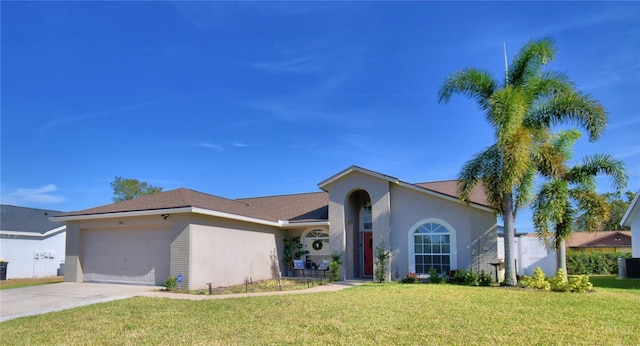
(453, 260)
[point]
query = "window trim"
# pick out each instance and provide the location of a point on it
(453, 260)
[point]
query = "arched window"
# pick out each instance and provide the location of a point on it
(433, 245)
(317, 242)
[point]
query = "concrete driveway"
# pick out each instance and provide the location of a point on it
(35, 300)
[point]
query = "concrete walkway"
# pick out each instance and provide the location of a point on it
(36, 300)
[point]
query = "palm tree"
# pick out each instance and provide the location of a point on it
(522, 111)
(570, 190)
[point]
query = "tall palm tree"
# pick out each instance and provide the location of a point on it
(568, 191)
(522, 110)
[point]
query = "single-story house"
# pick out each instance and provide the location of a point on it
(33, 245)
(632, 219)
(201, 238)
(605, 241)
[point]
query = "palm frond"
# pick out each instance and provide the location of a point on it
(530, 60)
(475, 83)
(571, 107)
(485, 168)
(600, 164)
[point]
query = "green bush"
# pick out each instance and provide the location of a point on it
(586, 263)
(382, 256)
(335, 263)
(537, 281)
(434, 277)
(170, 283)
(580, 283)
(559, 282)
(484, 279)
(464, 277)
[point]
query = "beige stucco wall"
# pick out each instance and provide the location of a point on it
(396, 211)
(343, 220)
(474, 229)
(225, 252)
(73, 258)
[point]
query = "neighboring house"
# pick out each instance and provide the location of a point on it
(33, 245)
(606, 241)
(203, 239)
(632, 219)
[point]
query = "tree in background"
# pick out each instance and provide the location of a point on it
(125, 189)
(567, 191)
(618, 206)
(522, 111)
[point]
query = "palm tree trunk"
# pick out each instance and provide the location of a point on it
(509, 217)
(561, 256)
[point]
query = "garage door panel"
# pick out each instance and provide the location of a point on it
(137, 256)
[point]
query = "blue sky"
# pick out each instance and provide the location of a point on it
(263, 98)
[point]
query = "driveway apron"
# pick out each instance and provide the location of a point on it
(35, 300)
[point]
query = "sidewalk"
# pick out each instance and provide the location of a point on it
(332, 287)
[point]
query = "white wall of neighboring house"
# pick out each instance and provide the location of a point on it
(632, 219)
(33, 255)
(530, 253)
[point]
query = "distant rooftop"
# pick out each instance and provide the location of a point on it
(24, 219)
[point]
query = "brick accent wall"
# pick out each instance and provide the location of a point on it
(180, 248)
(72, 268)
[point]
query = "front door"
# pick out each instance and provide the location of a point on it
(367, 244)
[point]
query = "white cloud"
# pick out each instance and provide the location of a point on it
(211, 146)
(42, 194)
(240, 145)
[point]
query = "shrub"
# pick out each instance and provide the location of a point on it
(484, 279)
(580, 283)
(382, 256)
(559, 282)
(410, 278)
(434, 277)
(170, 283)
(334, 265)
(536, 281)
(464, 277)
(585, 263)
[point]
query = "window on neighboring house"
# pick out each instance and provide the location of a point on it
(432, 248)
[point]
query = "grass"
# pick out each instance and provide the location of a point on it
(365, 315)
(612, 281)
(16, 283)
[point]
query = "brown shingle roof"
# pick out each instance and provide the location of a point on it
(308, 207)
(599, 239)
(450, 188)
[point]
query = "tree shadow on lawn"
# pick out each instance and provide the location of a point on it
(611, 281)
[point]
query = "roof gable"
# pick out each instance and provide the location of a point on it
(446, 188)
(633, 209)
(599, 239)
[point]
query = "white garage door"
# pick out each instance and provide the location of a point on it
(133, 256)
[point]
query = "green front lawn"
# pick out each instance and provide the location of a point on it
(418, 314)
(17, 283)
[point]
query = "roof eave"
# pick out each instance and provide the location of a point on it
(445, 196)
(630, 210)
(195, 210)
(323, 184)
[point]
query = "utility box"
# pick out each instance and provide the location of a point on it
(633, 268)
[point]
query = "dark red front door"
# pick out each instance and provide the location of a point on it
(367, 242)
